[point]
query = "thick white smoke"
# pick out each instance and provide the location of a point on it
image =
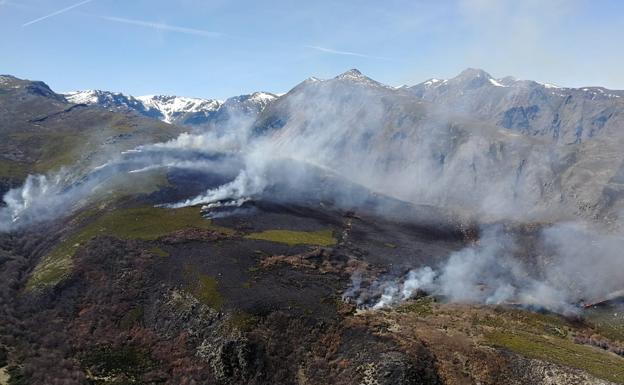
(404, 289)
(582, 265)
(26, 202)
(242, 188)
(46, 197)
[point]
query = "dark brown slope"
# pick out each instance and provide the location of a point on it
(209, 303)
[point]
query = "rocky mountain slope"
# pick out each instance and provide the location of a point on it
(185, 111)
(563, 115)
(441, 151)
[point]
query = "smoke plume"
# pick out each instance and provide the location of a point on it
(355, 141)
(577, 264)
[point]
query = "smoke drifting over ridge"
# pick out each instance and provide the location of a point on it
(47, 197)
(579, 265)
(382, 139)
(361, 133)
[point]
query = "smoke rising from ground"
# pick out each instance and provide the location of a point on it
(24, 203)
(43, 198)
(376, 139)
(48, 197)
(575, 265)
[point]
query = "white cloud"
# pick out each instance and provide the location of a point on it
(164, 27)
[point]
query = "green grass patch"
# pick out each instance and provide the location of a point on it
(53, 149)
(320, 238)
(55, 266)
(562, 351)
(143, 183)
(58, 151)
(422, 306)
(147, 223)
(206, 289)
(13, 170)
(608, 321)
(242, 321)
(525, 321)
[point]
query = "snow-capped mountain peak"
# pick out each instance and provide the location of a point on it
(352, 74)
(471, 73)
(549, 85)
(173, 106)
(433, 82)
(175, 109)
(355, 76)
(104, 98)
(262, 97)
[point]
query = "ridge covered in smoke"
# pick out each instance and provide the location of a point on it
(412, 147)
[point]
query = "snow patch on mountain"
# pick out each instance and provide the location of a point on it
(549, 85)
(434, 82)
(262, 97)
(494, 82)
(173, 109)
(172, 106)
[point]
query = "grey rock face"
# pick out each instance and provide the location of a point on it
(500, 148)
(563, 115)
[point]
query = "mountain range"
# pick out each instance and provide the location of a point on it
(185, 111)
(467, 143)
(565, 115)
(457, 231)
(552, 148)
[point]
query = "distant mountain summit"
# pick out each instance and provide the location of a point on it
(176, 109)
(28, 87)
(534, 146)
(355, 76)
(565, 115)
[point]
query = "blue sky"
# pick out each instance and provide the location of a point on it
(225, 47)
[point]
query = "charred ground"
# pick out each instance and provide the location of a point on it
(210, 301)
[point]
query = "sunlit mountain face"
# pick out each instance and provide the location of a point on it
(462, 230)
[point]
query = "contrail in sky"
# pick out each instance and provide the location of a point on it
(345, 53)
(164, 27)
(56, 13)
